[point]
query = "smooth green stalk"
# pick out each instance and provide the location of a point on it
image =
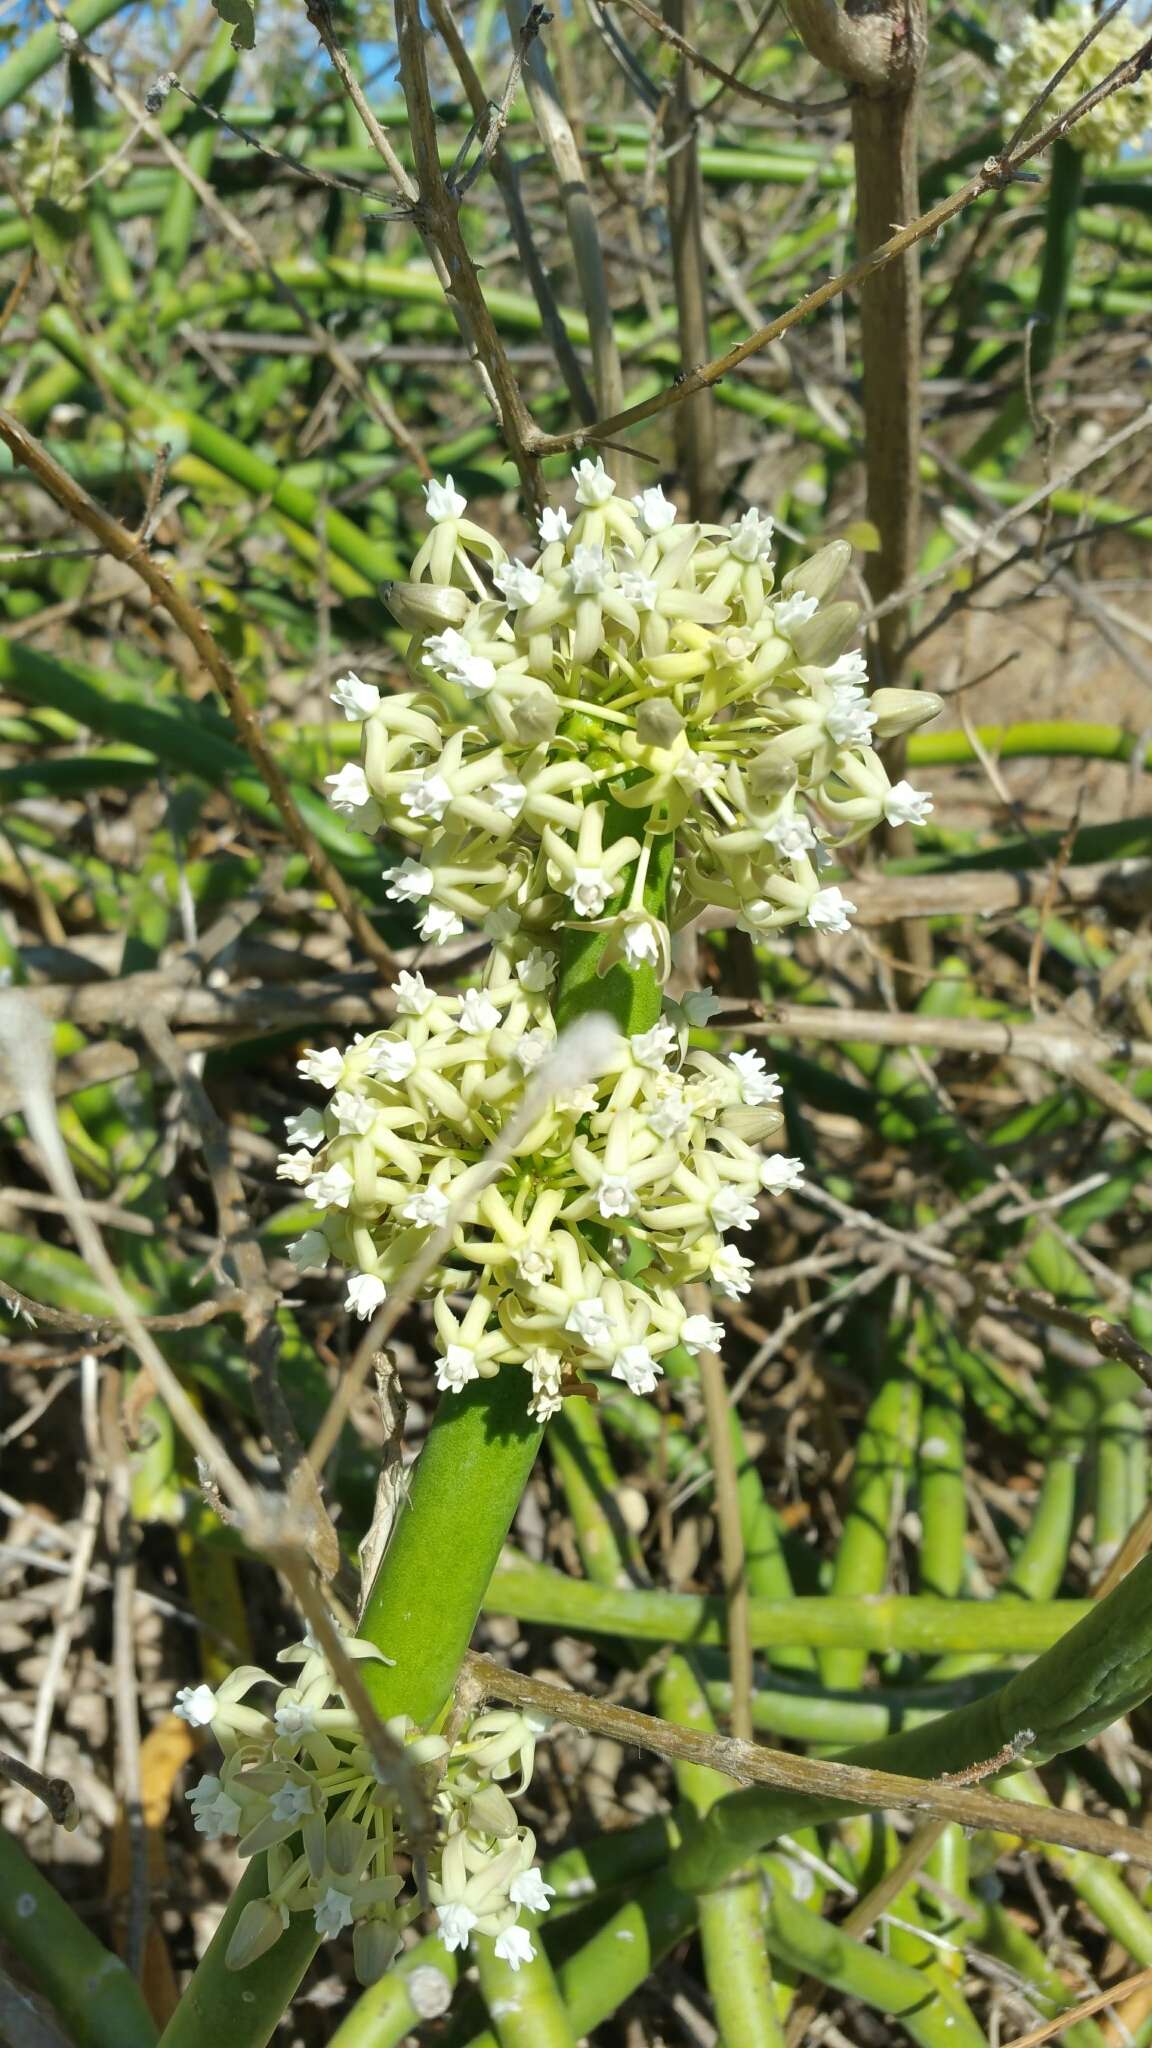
(112, 264)
(731, 1936)
(941, 1470)
(1120, 1480)
(1045, 738)
(373, 562)
(1045, 331)
(1040, 1559)
(1099, 1672)
(765, 1563)
(1001, 1935)
(891, 1621)
(177, 223)
(880, 1476)
(834, 1720)
(95, 1996)
(608, 1548)
(525, 2005)
(43, 48)
(933, 2014)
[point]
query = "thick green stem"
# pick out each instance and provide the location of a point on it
(98, 2000)
(880, 1477)
(525, 2005)
(43, 48)
(1045, 331)
(890, 1621)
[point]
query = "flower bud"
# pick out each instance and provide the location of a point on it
(535, 719)
(900, 711)
(492, 1812)
(821, 638)
(658, 723)
(375, 1946)
(258, 1929)
(417, 606)
(820, 575)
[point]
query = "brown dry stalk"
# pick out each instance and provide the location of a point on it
(128, 548)
(750, 1763)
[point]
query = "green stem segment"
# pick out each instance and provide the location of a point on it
(98, 2000)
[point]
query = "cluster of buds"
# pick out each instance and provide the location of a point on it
(642, 1163)
(642, 670)
(298, 1783)
(1044, 47)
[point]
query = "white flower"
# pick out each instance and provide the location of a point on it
(850, 668)
(450, 653)
(790, 612)
(411, 882)
(357, 700)
(214, 1811)
(444, 501)
(654, 511)
(589, 571)
(325, 1068)
(778, 1174)
(195, 1704)
(456, 1924)
(428, 1207)
(751, 536)
(615, 1196)
(365, 1295)
(354, 1114)
(639, 590)
(394, 1058)
(589, 1320)
(697, 772)
(589, 892)
(651, 1048)
(428, 797)
(413, 995)
(757, 1085)
(594, 486)
(507, 796)
(730, 1209)
(849, 718)
(305, 1129)
(529, 1051)
(530, 1891)
(731, 1271)
(477, 1012)
(518, 584)
(536, 971)
(349, 791)
(671, 1116)
(904, 805)
(331, 1189)
(700, 1333)
(333, 1913)
(515, 1946)
(830, 911)
(293, 1717)
(310, 1249)
(456, 1367)
(439, 924)
(295, 1166)
(553, 524)
(636, 1366)
(292, 1801)
(641, 945)
(791, 834)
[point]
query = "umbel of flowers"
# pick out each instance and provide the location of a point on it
(641, 672)
(638, 662)
(298, 1783)
(1044, 46)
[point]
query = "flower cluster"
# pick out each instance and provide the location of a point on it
(1043, 47)
(640, 669)
(298, 1783)
(645, 1169)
